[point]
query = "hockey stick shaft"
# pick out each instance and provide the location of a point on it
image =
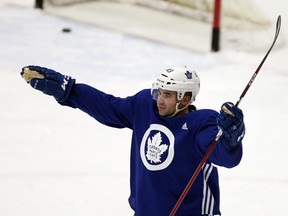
(197, 171)
(206, 156)
(278, 26)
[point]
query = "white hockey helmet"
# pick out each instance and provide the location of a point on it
(179, 79)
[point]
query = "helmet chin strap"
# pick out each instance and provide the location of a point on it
(177, 110)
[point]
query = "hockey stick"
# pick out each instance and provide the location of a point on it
(278, 26)
(206, 156)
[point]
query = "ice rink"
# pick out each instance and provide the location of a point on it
(57, 161)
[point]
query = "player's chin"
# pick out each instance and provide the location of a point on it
(163, 112)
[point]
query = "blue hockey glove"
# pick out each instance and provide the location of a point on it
(230, 121)
(48, 81)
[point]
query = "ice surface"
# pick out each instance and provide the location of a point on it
(59, 161)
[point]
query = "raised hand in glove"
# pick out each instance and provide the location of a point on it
(48, 81)
(230, 121)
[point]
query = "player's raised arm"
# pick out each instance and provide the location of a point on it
(48, 81)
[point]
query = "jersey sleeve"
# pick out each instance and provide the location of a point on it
(105, 108)
(220, 155)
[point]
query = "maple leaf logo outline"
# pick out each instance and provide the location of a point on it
(155, 148)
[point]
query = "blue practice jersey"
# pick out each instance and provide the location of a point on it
(165, 151)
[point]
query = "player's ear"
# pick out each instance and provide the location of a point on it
(187, 98)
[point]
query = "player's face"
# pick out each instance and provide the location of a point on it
(166, 102)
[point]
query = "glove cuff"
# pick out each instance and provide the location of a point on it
(229, 144)
(233, 142)
(64, 88)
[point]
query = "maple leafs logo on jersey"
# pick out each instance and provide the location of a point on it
(155, 148)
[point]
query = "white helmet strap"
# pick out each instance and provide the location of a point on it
(177, 110)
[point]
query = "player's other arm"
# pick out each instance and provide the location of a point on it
(107, 109)
(48, 81)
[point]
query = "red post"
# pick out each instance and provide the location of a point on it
(216, 26)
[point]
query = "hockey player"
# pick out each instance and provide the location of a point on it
(170, 137)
